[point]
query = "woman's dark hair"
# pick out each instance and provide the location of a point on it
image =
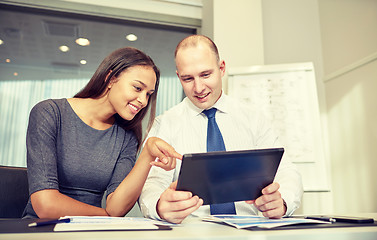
(112, 66)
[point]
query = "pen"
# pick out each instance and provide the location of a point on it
(327, 219)
(50, 222)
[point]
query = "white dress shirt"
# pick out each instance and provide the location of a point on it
(185, 128)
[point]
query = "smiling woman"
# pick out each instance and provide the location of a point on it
(81, 147)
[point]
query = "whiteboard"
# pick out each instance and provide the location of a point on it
(287, 95)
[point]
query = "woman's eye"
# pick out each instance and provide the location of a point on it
(137, 88)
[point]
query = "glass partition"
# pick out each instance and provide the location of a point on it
(41, 58)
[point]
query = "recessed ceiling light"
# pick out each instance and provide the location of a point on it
(15, 74)
(131, 37)
(7, 60)
(64, 48)
(83, 41)
(83, 61)
(1, 42)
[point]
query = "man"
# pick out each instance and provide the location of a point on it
(184, 126)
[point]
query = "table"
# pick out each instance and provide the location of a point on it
(194, 228)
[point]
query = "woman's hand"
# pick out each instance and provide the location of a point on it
(164, 154)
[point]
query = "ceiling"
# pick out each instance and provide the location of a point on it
(32, 38)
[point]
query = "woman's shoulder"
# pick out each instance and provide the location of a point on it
(47, 109)
(50, 104)
(127, 134)
(127, 138)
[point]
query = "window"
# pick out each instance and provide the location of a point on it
(40, 59)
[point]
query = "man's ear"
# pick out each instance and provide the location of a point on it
(222, 67)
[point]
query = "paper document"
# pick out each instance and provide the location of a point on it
(99, 223)
(240, 221)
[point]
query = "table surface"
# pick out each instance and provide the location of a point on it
(194, 228)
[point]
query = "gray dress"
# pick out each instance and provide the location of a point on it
(66, 154)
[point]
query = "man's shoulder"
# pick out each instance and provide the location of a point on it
(238, 105)
(242, 110)
(175, 111)
(170, 120)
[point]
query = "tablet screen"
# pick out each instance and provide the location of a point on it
(229, 176)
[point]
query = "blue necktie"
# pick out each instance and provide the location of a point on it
(215, 142)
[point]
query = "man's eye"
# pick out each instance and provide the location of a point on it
(206, 75)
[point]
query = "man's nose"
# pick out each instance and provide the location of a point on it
(198, 85)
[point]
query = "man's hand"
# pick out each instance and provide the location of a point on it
(174, 206)
(270, 203)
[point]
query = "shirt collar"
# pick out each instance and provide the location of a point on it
(221, 105)
(193, 110)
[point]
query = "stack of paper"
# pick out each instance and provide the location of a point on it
(98, 223)
(240, 221)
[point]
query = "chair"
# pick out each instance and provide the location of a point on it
(14, 192)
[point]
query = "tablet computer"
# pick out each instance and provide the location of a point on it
(229, 176)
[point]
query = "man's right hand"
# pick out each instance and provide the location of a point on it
(174, 206)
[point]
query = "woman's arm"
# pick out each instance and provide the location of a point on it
(124, 197)
(50, 203)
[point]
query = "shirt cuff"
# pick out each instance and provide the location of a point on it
(149, 207)
(290, 205)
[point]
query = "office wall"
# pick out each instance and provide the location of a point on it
(340, 37)
(349, 40)
(292, 34)
(237, 31)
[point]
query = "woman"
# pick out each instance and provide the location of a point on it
(81, 147)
